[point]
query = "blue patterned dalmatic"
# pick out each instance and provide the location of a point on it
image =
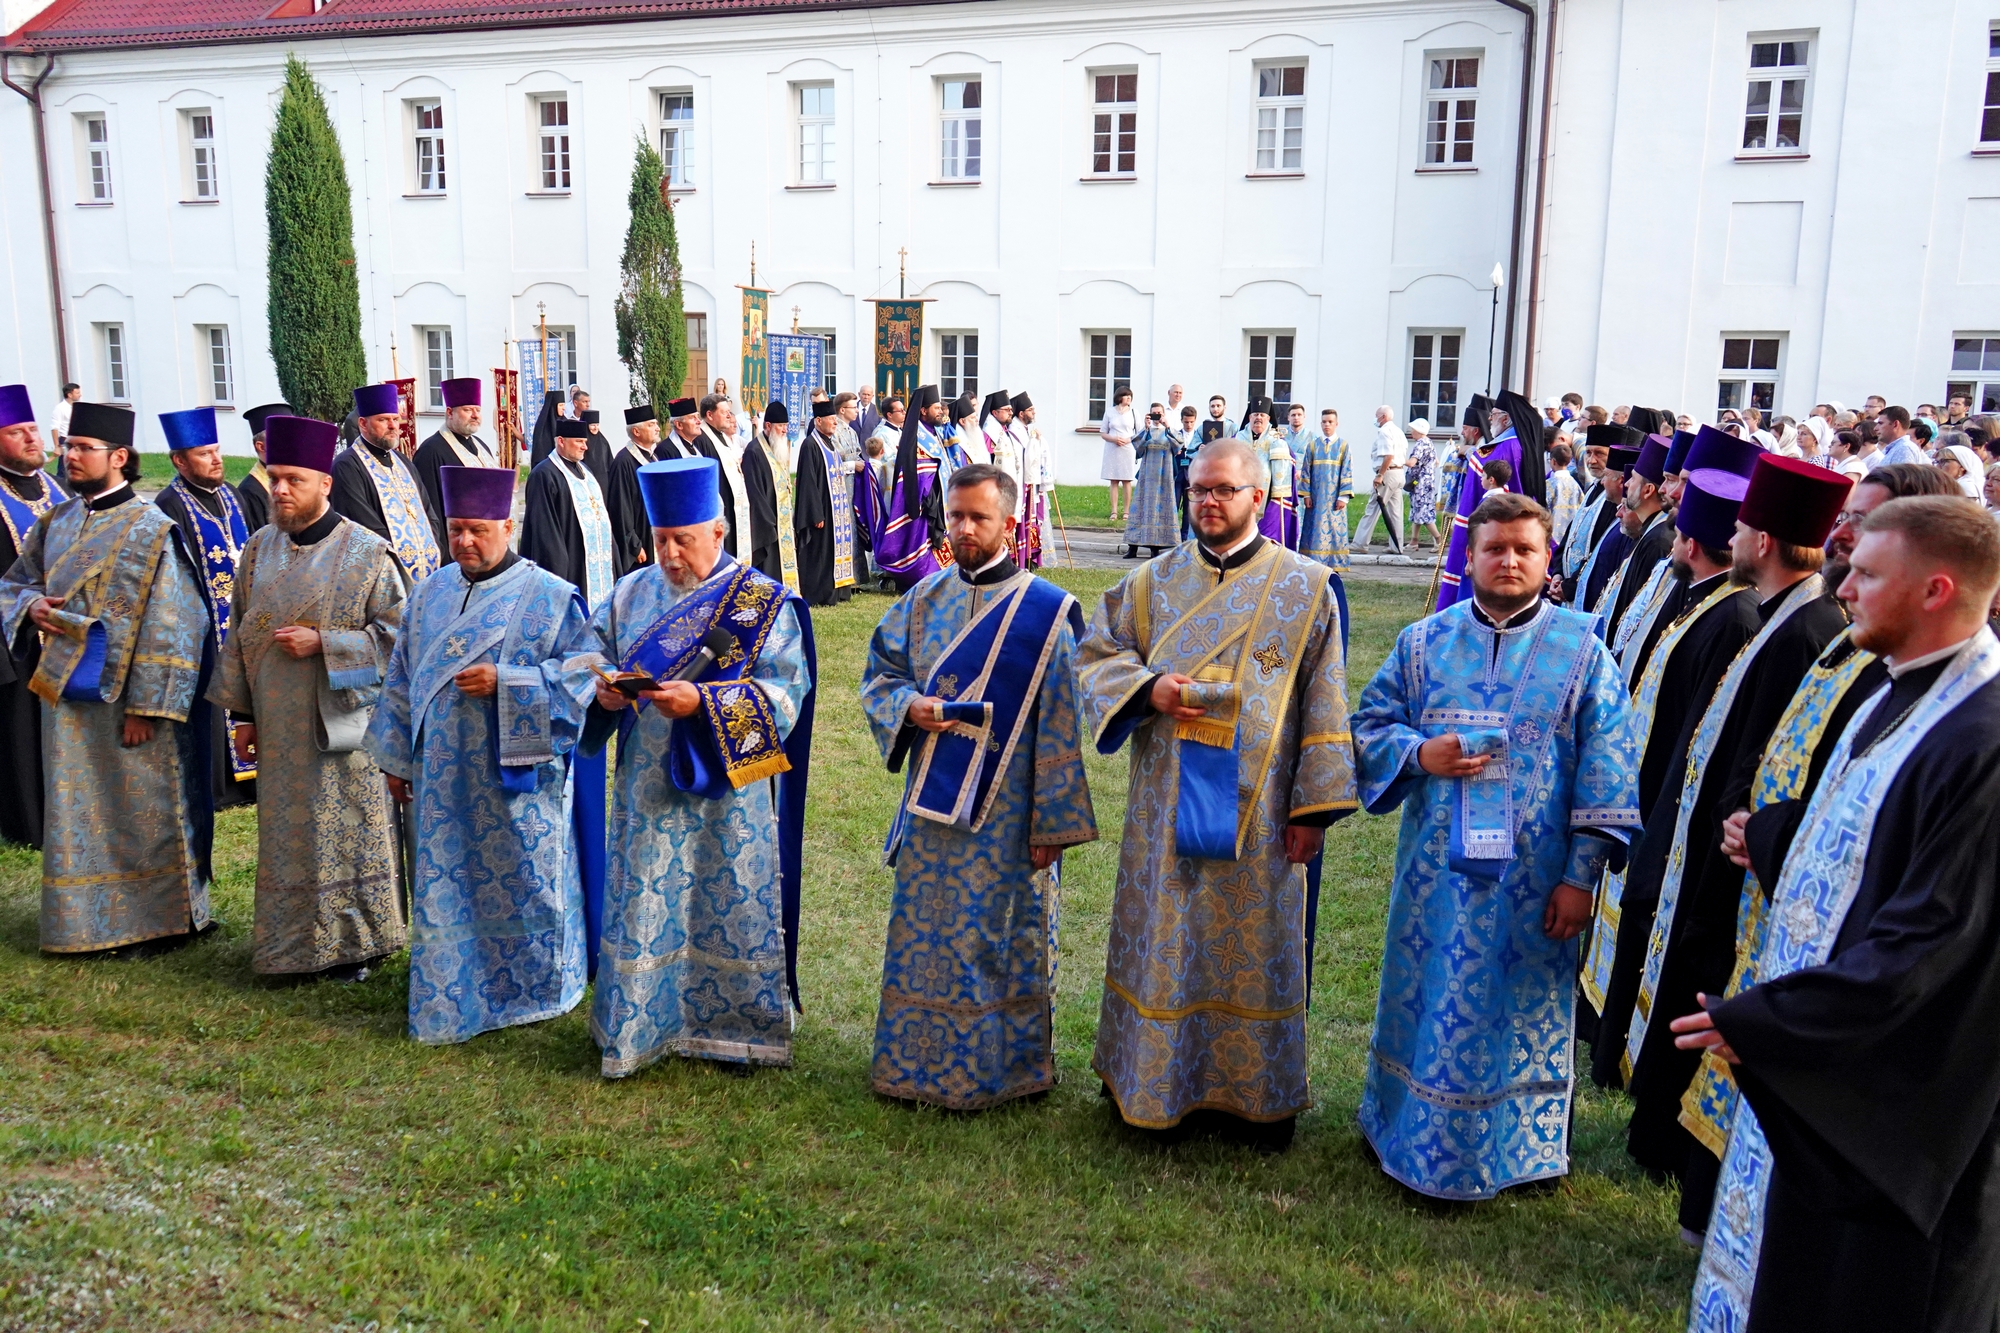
(1821, 876)
(496, 904)
(1279, 519)
(223, 538)
(1472, 1062)
(1326, 484)
(701, 893)
(969, 966)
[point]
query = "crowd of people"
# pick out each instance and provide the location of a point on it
(1683, 752)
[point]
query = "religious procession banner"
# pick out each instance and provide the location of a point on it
(754, 390)
(899, 345)
(533, 373)
(797, 366)
(507, 414)
(406, 417)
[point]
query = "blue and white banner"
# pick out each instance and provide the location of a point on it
(798, 366)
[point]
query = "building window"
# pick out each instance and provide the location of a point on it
(677, 136)
(1281, 117)
(1107, 369)
(827, 380)
(816, 134)
(552, 148)
(1451, 108)
(115, 388)
(958, 364)
(1749, 373)
(1434, 376)
(214, 343)
(430, 147)
(1114, 125)
(96, 159)
(204, 179)
(1975, 370)
(437, 364)
(1774, 112)
(959, 131)
(1270, 367)
(697, 327)
(1989, 116)
(562, 356)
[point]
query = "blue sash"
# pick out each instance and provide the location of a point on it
(989, 677)
(219, 543)
(740, 743)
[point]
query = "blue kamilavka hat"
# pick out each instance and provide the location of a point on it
(190, 429)
(681, 492)
(374, 400)
(14, 405)
(477, 492)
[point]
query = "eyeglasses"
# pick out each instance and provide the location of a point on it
(1222, 494)
(70, 446)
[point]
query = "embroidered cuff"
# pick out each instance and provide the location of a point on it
(350, 659)
(1588, 853)
(524, 738)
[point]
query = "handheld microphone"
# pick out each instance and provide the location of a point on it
(714, 645)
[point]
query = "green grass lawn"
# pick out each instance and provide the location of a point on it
(183, 1146)
(157, 470)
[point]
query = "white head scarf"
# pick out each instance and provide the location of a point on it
(1821, 432)
(1973, 483)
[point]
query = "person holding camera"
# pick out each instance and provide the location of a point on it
(1150, 519)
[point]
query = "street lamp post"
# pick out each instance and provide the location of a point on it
(1499, 278)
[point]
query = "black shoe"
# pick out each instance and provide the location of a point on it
(153, 948)
(1131, 553)
(352, 974)
(1270, 1136)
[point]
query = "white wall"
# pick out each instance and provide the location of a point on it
(1866, 253)
(1348, 253)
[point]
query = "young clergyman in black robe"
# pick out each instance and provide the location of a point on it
(552, 533)
(1875, 1074)
(812, 510)
(1708, 644)
(1787, 513)
(759, 481)
(29, 492)
(630, 527)
(255, 491)
(454, 444)
(197, 458)
(1644, 517)
(597, 451)
(544, 442)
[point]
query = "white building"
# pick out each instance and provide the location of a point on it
(1305, 199)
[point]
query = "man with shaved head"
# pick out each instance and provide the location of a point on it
(1858, 1187)
(1221, 661)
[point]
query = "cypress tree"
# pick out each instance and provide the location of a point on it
(314, 307)
(652, 330)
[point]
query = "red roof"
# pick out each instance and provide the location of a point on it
(76, 25)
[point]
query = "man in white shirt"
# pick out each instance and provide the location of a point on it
(1390, 455)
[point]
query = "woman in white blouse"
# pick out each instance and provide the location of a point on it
(1120, 465)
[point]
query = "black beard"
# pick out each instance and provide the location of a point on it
(94, 487)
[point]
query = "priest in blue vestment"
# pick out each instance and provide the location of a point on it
(104, 580)
(27, 491)
(1325, 486)
(971, 685)
(1221, 662)
(1503, 729)
(705, 669)
(475, 726)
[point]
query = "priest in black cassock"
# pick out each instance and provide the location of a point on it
(597, 449)
(1787, 513)
(683, 438)
(760, 483)
(1644, 517)
(1716, 617)
(630, 527)
(454, 444)
(1869, 1047)
(255, 492)
(27, 492)
(376, 487)
(565, 524)
(544, 442)
(214, 530)
(1584, 586)
(814, 504)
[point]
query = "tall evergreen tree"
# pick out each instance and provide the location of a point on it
(652, 330)
(315, 294)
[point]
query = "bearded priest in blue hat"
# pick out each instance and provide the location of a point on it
(214, 530)
(705, 669)
(27, 491)
(476, 727)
